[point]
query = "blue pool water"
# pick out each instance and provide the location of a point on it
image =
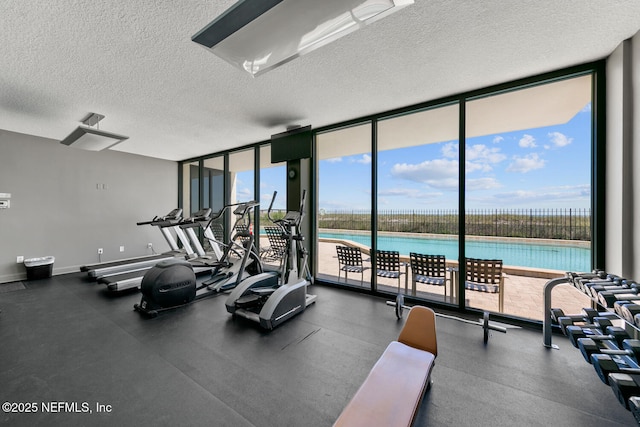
(560, 257)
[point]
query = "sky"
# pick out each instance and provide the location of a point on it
(547, 167)
(541, 168)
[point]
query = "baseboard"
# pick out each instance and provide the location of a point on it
(16, 277)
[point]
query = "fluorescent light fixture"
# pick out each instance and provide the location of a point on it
(92, 139)
(259, 35)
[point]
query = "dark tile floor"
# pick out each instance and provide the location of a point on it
(66, 340)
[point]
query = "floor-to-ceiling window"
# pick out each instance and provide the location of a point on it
(241, 176)
(273, 182)
(213, 192)
(527, 191)
(273, 178)
(417, 201)
(344, 200)
(190, 188)
(213, 183)
(525, 199)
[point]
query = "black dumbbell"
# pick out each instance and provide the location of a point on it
(617, 285)
(634, 407)
(606, 364)
(609, 298)
(625, 386)
(617, 346)
(595, 289)
(585, 320)
(586, 316)
(583, 283)
(627, 309)
(598, 328)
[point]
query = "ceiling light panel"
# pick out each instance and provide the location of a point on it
(259, 35)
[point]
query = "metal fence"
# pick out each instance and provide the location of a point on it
(567, 224)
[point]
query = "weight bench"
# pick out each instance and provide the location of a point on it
(393, 390)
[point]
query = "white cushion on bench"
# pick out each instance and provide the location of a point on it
(392, 392)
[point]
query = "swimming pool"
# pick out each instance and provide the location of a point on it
(554, 257)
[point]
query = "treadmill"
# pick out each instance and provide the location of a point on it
(123, 280)
(202, 219)
(124, 265)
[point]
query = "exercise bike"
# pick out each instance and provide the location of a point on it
(269, 298)
(172, 283)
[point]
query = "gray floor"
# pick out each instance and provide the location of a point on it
(66, 340)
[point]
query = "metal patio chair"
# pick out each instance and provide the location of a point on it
(388, 265)
(485, 275)
(277, 245)
(429, 270)
(350, 261)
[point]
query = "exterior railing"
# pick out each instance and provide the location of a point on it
(566, 224)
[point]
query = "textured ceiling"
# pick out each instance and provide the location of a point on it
(134, 62)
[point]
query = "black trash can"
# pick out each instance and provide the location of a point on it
(39, 268)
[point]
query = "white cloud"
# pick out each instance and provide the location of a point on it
(437, 173)
(484, 154)
(412, 193)
(574, 192)
(560, 197)
(479, 157)
(243, 194)
(527, 141)
(425, 171)
(559, 139)
(399, 192)
(450, 150)
(449, 184)
(365, 159)
(481, 184)
(525, 164)
(333, 160)
(498, 139)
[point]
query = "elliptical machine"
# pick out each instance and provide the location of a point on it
(270, 299)
(171, 284)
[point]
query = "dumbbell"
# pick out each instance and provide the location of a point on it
(593, 275)
(582, 283)
(625, 386)
(597, 329)
(627, 309)
(615, 286)
(609, 298)
(586, 317)
(616, 342)
(634, 407)
(620, 344)
(593, 290)
(606, 364)
(569, 319)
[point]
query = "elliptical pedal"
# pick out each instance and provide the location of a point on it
(249, 302)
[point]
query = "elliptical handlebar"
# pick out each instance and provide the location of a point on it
(273, 199)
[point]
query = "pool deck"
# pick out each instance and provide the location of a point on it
(523, 289)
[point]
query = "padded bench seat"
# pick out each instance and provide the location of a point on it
(393, 390)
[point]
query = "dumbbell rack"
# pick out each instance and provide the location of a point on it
(547, 322)
(623, 372)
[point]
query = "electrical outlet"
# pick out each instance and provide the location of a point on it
(100, 251)
(121, 248)
(149, 245)
(19, 259)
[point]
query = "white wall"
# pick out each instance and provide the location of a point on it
(622, 240)
(57, 208)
